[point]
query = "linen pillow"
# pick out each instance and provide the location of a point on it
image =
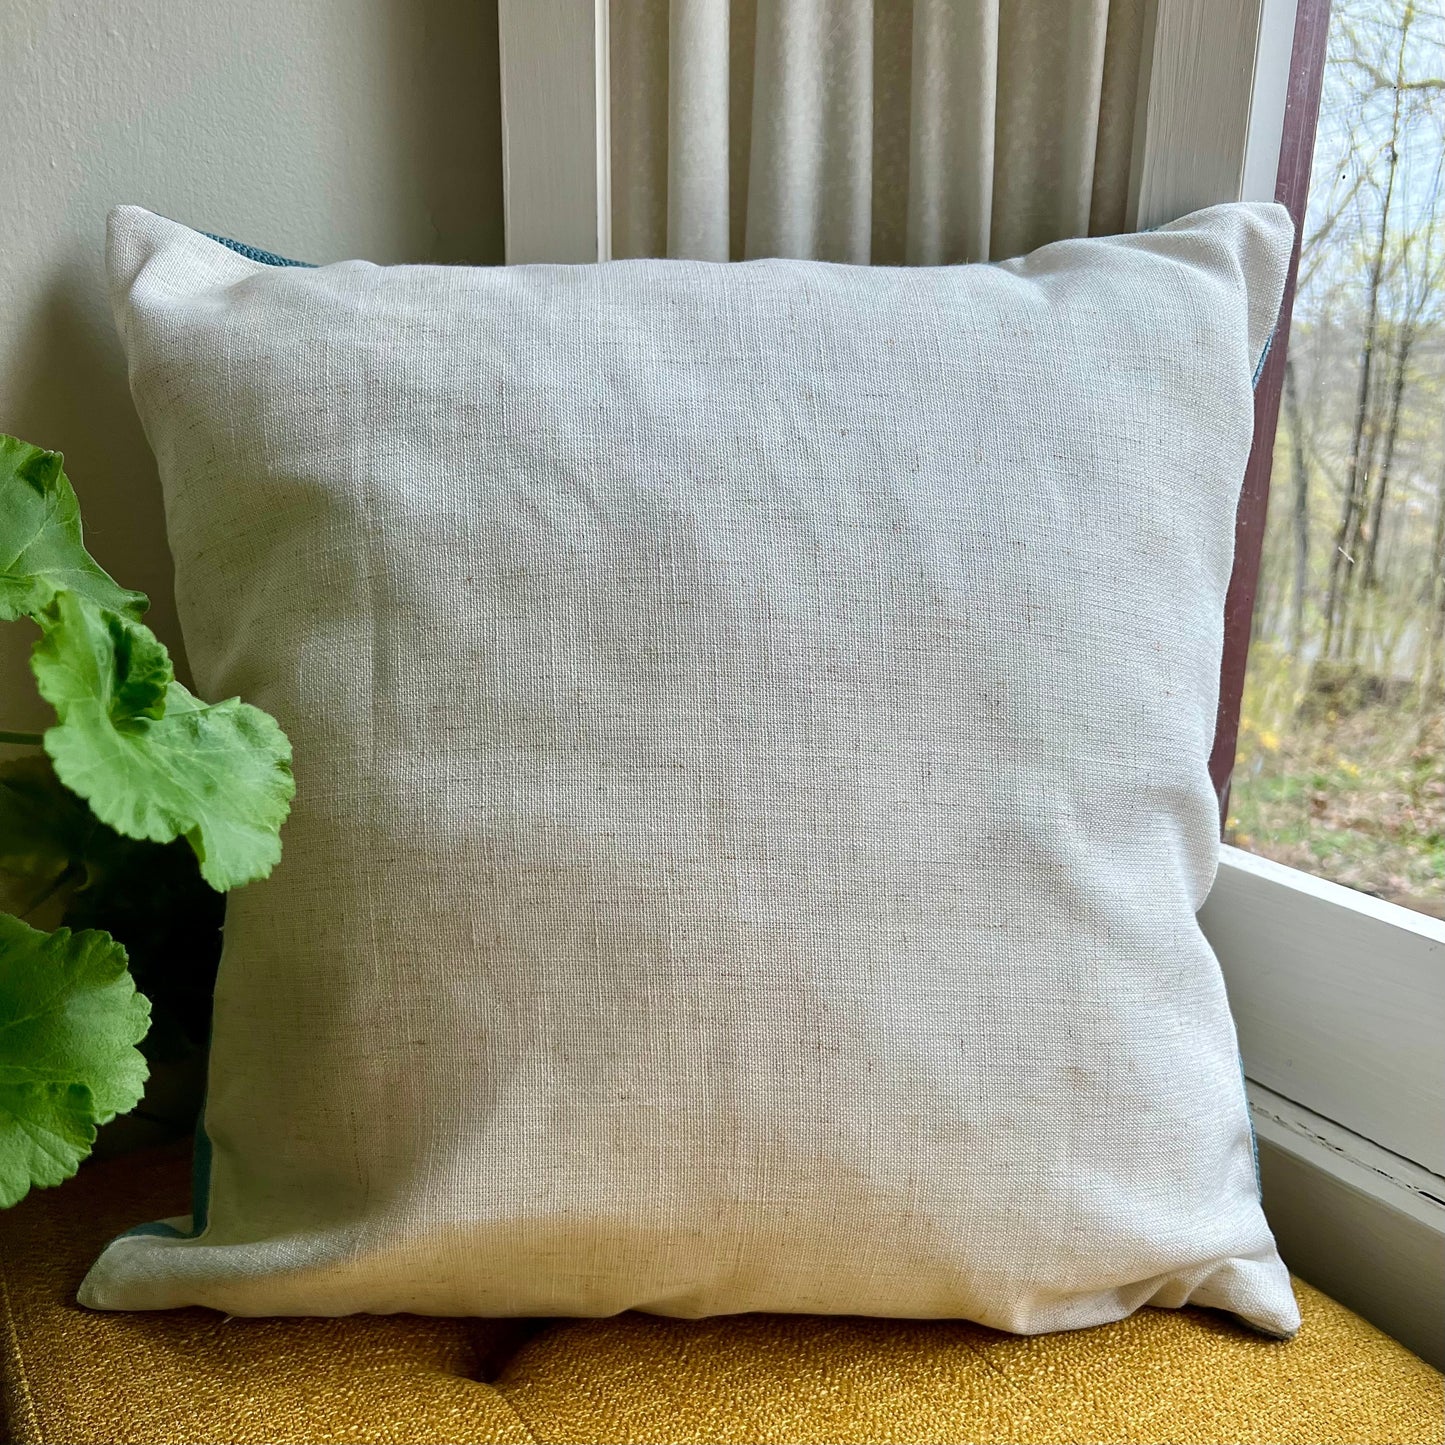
(750, 729)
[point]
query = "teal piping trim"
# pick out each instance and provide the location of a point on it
(1253, 1137)
(254, 253)
(200, 1194)
(1263, 356)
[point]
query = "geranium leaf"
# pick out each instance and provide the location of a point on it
(41, 549)
(45, 1131)
(70, 1019)
(152, 760)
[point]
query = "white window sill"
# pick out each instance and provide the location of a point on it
(1339, 1000)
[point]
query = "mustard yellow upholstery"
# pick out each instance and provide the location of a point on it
(72, 1377)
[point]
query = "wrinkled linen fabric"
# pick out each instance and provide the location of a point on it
(751, 729)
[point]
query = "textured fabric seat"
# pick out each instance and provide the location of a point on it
(73, 1376)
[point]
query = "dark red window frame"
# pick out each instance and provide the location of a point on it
(1292, 188)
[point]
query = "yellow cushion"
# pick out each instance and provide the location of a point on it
(71, 1376)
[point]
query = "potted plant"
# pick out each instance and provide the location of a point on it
(123, 825)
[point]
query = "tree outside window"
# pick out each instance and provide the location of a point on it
(1341, 767)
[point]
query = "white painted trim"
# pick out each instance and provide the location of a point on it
(1360, 1223)
(1355, 1161)
(1196, 90)
(1311, 885)
(602, 88)
(1265, 133)
(1339, 999)
(556, 148)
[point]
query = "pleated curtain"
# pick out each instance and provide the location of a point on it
(884, 131)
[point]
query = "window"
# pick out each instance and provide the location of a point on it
(1341, 762)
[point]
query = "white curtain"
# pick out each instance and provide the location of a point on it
(919, 131)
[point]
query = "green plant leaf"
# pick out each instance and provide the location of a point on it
(41, 550)
(45, 1131)
(70, 1019)
(152, 760)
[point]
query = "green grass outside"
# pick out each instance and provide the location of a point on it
(1340, 783)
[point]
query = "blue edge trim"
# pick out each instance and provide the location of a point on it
(200, 1193)
(254, 253)
(201, 1155)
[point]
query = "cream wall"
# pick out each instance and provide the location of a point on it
(316, 128)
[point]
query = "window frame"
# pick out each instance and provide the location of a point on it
(556, 149)
(1291, 73)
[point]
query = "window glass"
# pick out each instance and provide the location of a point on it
(1341, 765)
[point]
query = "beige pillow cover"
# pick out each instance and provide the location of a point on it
(751, 728)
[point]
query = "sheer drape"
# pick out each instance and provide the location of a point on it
(923, 131)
